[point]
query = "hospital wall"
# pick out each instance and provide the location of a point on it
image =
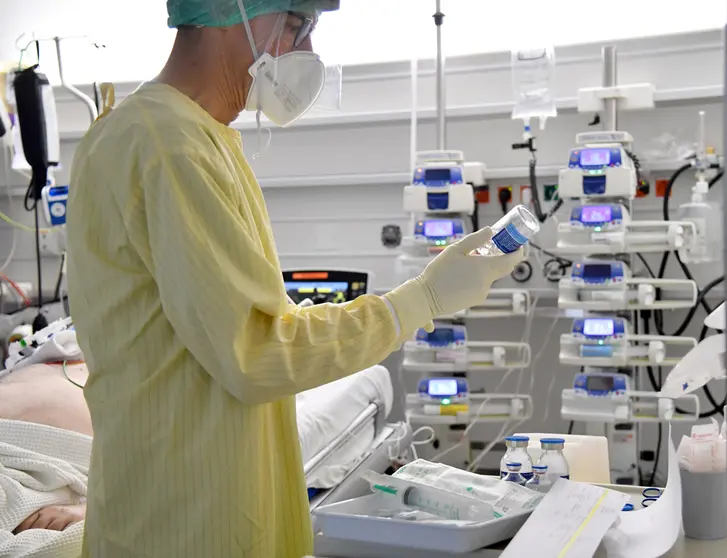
(333, 180)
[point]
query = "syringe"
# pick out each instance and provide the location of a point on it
(435, 501)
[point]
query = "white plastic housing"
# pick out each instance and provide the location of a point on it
(475, 356)
(483, 407)
(630, 97)
(633, 406)
(460, 199)
(629, 350)
(630, 294)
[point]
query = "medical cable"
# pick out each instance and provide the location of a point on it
(401, 456)
(478, 418)
(16, 288)
(65, 373)
(486, 450)
(9, 186)
(658, 316)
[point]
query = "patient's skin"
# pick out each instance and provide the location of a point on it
(41, 394)
(54, 518)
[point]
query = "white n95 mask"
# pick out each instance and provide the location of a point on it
(284, 88)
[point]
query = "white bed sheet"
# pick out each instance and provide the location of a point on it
(327, 411)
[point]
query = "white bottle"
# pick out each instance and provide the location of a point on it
(511, 232)
(517, 452)
(553, 457)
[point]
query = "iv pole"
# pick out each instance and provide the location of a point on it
(441, 83)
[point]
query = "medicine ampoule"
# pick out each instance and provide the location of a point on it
(511, 232)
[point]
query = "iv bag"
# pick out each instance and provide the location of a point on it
(532, 77)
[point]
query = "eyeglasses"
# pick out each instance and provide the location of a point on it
(307, 26)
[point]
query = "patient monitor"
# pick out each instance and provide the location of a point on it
(320, 285)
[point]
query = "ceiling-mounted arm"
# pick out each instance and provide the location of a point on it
(92, 110)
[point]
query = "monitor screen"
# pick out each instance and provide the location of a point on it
(436, 175)
(599, 383)
(596, 271)
(442, 387)
(595, 157)
(598, 327)
(596, 214)
(442, 227)
(318, 291)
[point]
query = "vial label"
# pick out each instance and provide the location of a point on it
(527, 475)
(509, 239)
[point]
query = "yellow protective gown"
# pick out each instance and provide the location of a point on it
(193, 350)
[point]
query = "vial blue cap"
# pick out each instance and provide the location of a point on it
(517, 439)
(515, 464)
(628, 507)
(542, 468)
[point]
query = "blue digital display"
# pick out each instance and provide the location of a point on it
(596, 214)
(595, 157)
(439, 228)
(437, 175)
(442, 387)
(595, 327)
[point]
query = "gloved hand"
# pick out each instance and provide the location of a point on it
(456, 279)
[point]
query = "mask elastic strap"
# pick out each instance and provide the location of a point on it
(262, 147)
(248, 30)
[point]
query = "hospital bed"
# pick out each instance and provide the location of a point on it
(343, 430)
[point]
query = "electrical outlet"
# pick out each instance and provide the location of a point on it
(551, 192)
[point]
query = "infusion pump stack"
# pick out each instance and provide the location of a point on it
(609, 344)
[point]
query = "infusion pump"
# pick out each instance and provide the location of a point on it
(443, 183)
(604, 285)
(599, 168)
(608, 229)
(609, 342)
(602, 396)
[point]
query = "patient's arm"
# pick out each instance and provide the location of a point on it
(41, 394)
(54, 518)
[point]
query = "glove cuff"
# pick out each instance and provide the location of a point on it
(411, 305)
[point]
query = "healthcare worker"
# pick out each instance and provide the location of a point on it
(194, 351)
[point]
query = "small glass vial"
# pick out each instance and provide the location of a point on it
(513, 474)
(517, 452)
(540, 481)
(553, 457)
(511, 232)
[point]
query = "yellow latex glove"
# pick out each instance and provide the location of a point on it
(456, 279)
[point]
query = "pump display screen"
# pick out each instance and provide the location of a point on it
(595, 157)
(599, 383)
(596, 271)
(443, 387)
(598, 327)
(438, 228)
(596, 214)
(436, 175)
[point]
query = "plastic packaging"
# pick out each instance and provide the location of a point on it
(511, 232)
(532, 83)
(517, 452)
(513, 474)
(506, 498)
(431, 500)
(553, 457)
(540, 481)
(705, 451)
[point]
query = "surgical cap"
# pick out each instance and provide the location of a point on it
(223, 13)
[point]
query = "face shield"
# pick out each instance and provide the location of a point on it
(288, 78)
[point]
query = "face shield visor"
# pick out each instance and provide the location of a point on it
(288, 79)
